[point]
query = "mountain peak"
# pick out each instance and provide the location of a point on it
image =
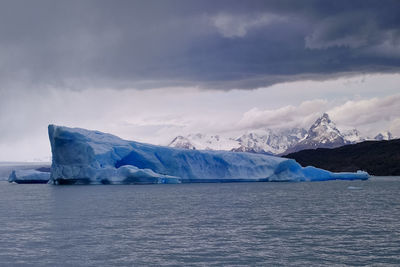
(384, 136)
(352, 136)
(324, 130)
(181, 142)
(323, 120)
(323, 133)
(325, 116)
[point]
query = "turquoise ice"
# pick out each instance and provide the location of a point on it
(93, 157)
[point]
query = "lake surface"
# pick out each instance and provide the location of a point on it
(239, 224)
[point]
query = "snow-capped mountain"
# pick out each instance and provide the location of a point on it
(204, 142)
(269, 141)
(352, 136)
(182, 142)
(384, 136)
(265, 141)
(323, 131)
(322, 134)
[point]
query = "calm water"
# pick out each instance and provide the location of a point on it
(257, 224)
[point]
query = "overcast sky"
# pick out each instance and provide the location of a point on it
(150, 70)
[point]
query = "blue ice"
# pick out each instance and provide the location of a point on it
(93, 157)
(30, 176)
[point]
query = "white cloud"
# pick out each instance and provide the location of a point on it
(367, 111)
(284, 117)
(371, 115)
(394, 127)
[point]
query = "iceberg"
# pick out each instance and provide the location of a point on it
(83, 156)
(30, 176)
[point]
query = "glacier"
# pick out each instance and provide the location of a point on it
(29, 176)
(81, 156)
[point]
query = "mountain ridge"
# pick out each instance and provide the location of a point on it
(323, 133)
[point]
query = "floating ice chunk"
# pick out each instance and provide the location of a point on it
(83, 156)
(354, 188)
(31, 176)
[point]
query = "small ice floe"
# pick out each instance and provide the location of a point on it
(30, 176)
(354, 187)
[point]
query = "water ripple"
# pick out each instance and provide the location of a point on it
(256, 224)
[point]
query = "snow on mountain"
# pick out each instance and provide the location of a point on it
(323, 133)
(204, 142)
(352, 136)
(261, 141)
(269, 141)
(384, 136)
(181, 142)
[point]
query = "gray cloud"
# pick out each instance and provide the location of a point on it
(212, 44)
(233, 26)
(351, 29)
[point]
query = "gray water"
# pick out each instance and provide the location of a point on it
(244, 224)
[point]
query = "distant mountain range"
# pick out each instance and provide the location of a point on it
(376, 157)
(322, 134)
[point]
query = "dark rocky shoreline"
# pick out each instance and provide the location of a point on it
(379, 158)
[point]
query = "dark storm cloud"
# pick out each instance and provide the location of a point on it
(213, 44)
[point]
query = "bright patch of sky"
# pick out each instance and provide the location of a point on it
(370, 103)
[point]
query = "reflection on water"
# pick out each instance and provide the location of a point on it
(337, 222)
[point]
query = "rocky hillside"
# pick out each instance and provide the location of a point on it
(376, 157)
